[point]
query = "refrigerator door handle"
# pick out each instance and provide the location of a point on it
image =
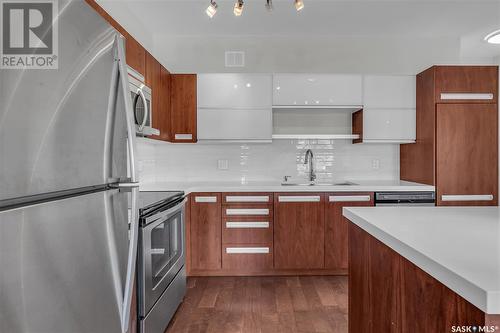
(133, 185)
(122, 68)
(131, 262)
(124, 187)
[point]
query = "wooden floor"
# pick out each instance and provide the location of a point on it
(263, 304)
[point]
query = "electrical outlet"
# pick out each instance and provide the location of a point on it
(375, 164)
(222, 164)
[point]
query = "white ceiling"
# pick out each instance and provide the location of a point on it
(169, 27)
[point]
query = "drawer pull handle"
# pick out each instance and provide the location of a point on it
(311, 198)
(466, 96)
(248, 211)
(349, 198)
(472, 197)
(232, 198)
(247, 224)
(205, 199)
(183, 136)
(247, 250)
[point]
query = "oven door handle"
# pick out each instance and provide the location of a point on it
(164, 215)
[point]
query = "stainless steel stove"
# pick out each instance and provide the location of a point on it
(161, 271)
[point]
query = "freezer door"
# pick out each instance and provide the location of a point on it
(63, 265)
(66, 128)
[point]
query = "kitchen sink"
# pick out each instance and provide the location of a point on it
(317, 184)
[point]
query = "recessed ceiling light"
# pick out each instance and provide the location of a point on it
(493, 38)
(211, 9)
(299, 4)
(238, 8)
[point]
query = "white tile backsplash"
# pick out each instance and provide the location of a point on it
(335, 160)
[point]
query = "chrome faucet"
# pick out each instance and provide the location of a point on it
(309, 158)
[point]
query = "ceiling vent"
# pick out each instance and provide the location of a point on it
(235, 59)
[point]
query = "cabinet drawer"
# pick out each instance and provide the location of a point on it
(247, 210)
(250, 257)
(247, 198)
(247, 230)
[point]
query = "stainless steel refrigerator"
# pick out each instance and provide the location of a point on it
(67, 176)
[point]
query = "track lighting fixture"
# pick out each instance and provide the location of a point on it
(299, 5)
(211, 9)
(269, 5)
(238, 8)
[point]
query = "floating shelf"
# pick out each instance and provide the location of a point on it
(316, 136)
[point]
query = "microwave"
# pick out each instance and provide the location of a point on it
(141, 104)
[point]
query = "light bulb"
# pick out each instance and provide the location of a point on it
(238, 8)
(211, 9)
(299, 5)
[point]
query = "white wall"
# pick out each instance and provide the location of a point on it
(335, 160)
(308, 54)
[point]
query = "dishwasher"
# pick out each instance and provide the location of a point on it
(413, 199)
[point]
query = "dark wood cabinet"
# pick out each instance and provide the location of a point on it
(467, 153)
(134, 51)
(205, 231)
(457, 135)
(158, 79)
(388, 293)
(183, 108)
(174, 96)
(135, 54)
(336, 226)
(466, 79)
(374, 278)
(299, 228)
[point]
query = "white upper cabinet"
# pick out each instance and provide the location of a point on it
(389, 110)
(389, 125)
(317, 90)
(235, 107)
(397, 91)
(234, 90)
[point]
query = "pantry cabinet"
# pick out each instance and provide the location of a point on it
(336, 226)
(299, 228)
(467, 149)
(457, 135)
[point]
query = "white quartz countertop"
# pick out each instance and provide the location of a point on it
(458, 246)
(275, 186)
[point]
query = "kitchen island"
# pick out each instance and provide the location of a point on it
(424, 269)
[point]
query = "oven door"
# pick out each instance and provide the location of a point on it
(162, 254)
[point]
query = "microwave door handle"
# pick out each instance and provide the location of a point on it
(146, 109)
(131, 144)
